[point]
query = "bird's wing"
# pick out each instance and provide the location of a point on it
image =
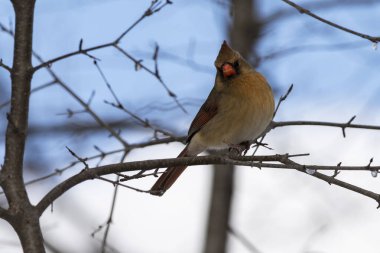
(208, 110)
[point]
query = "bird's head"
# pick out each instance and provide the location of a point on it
(229, 63)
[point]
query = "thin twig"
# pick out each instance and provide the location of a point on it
(153, 8)
(281, 100)
(49, 63)
(58, 172)
(187, 62)
(113, 205)
(317, 5)
(332, 180)
(4, 66)
(116, 183)
(138, 175)
(80, 159)
(120, 106)
(110, 217)
(73, 94)
(83, 103)
(309, 13)
(323, 123)
(154, 73)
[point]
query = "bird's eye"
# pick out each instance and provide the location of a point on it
(236, 64)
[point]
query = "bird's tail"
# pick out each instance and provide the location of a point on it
(167, 179)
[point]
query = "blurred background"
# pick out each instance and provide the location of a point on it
(242, 209)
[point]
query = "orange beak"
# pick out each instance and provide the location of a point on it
(228, 70)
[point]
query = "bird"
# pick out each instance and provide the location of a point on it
(237, 111)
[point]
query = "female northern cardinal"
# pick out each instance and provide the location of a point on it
(238, 110)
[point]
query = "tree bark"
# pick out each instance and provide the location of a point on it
(23, 217)
(27, 227)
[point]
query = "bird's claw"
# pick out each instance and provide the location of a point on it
(239, 149)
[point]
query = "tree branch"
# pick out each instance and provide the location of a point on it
(111, 214)
(252, 161)
(104, 154)
(119, 105)
(183, 138)
(309, 13)
(74, 95)
(110, 217)
(343, 126)
(332, 179)
(154, 7)
(85, 105)
(65, 56)
(318, 5)
(155, 73)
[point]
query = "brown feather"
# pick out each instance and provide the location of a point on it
(226, 55)
(207, 111)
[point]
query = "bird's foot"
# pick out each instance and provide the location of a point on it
(239, 149)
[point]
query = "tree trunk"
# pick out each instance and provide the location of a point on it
(27, 227)
(23, 217)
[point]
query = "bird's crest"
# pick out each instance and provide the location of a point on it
(226, 55)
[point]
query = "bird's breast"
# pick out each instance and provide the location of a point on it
(243, 115)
